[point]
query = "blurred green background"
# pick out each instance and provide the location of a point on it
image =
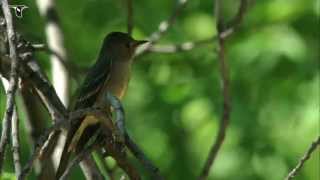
(173, 105)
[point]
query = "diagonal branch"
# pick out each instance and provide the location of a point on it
(163, 27)
(187, 46)
(12, 82)
(44, 140)
(304, 158)
(73, 69)
(82, 155)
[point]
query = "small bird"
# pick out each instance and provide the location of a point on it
(111, 72)
(18, 9)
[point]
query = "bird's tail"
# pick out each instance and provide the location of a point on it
(75, 142)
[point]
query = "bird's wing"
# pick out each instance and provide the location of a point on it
(89, 92)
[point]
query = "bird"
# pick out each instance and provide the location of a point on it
(111, 72)
(18, 9)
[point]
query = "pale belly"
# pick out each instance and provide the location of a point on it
(117, 84)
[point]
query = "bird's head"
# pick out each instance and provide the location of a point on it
(120, 46)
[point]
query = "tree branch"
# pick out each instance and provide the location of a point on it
(35, 125)
(129, 16)
(163, 27)
(12, 82)
(16, 142)
(79, 158)
(55, 43)
(185, 46)
(224, 73)
(73, 69)
(44, 139)
(304, 159)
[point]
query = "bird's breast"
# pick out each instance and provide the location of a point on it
(118, 80)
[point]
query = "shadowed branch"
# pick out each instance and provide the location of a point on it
(13, 81)
(224, 75)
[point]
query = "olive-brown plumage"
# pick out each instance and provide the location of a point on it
(111, 72)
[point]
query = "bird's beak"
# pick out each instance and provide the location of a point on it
(138, 43)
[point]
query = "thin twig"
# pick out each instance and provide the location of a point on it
(74, 70)
(138, 153)
(31, 72)
(12, 82)
(44, 89)
(185, 46)
(129, 16)
(60, 74)
(89, 163)
(224, 73)
(79, 158)
(235, 22)
(37, 150)
(45, 138)
(163, 27)
(35, 125)
(304, 158)
(16, 143)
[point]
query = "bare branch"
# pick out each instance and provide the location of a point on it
(14, 135)
(129, 16)
(186, 46)
(90, 165)
(224, 73)
(12, 82)
(60, 76)
(163, 27)
(44, 140)
(55, 42)
(35, 125)
(235, 22)
(37, 150)
(138, 153)
(117, 152)
(16, 142)
(79, 158)
(304, 158)
(72, 68)
(33, 74)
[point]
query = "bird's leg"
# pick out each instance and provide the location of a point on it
(119, 111)
(106, 120)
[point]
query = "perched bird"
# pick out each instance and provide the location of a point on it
(111, 72)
